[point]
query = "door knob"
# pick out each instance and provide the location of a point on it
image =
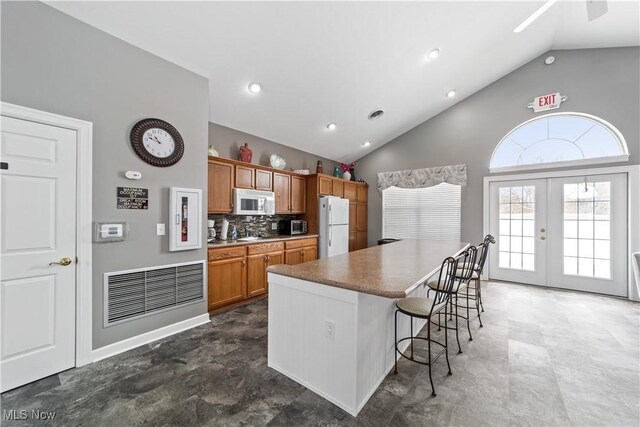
(63, 262)
(542, 230)
(542, 238)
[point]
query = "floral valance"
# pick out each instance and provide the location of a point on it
(421, 178)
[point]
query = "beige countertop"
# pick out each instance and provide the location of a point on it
(392, 271)
(229, 243)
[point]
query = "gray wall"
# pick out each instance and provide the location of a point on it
(55, 63)
(228, 141)
(602, 82)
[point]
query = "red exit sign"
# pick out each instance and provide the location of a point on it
(547, 102)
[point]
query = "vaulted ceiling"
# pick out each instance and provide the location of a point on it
(335, 62)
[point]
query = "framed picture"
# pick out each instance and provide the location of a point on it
(185, 219)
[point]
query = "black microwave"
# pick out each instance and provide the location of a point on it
(292, 226)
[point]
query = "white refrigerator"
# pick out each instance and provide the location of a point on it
(334, 226)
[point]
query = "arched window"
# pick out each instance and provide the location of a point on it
(560, 139)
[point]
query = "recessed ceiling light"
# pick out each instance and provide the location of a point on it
(451, 93)
(366, 143)
(534, 16)
(254, 87)
(331, 126)
(434, 53)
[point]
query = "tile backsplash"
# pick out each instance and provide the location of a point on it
(249, 225)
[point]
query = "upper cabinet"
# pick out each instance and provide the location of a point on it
(245, 177)
(264, 180)
(298, 194)
(350, 191)
(221, 181)
(325, 185)
(226, 174)
(282, 190)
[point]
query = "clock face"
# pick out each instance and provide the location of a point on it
(158, 142)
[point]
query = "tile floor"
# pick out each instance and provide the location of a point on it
(544, 357)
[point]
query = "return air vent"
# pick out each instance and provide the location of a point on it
(134, 293)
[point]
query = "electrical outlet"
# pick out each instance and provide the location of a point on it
(274, 225)
(330, 330)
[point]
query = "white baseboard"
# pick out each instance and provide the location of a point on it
(147, 337)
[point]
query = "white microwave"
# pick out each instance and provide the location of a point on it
(253, 202)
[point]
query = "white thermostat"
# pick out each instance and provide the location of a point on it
(110, 231)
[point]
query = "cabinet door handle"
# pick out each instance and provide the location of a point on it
(243, 263)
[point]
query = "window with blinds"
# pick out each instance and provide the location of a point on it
(431, 213)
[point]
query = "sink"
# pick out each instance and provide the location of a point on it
(249, 239)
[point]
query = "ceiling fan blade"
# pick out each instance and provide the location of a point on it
(596, 8)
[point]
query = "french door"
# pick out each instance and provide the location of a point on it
(562, 232)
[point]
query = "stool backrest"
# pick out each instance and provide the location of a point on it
(446, 280)
(484, 251)
(466, 265)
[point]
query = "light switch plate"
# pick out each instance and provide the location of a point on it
(160, 230)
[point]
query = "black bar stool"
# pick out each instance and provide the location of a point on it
(464, 272)
(426, 308)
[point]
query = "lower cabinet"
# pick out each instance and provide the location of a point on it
(300, 251)
(240, 272)
(257, 271)
(226, 282)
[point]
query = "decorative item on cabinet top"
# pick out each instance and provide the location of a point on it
(213, 152)
(245, 153)
(277, 161)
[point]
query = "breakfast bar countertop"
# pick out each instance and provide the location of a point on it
(393, 270)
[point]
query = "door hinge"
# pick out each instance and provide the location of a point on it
(4, 165)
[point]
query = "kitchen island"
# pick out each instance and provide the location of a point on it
(331, 321)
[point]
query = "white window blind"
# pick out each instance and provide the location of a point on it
(431, 213)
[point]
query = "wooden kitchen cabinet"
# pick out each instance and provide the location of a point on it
(361, 216)
(352, 241)
(337, 189)
(263, 180)
(350, 191)
(301, 250)
(225, 174)
(325, 186)
(226, 282)
(220, 193)
(282, 190)
(298, 194)
(362, 194)
(245, 177)
(260, 257)
(361, 239)
(310, 253)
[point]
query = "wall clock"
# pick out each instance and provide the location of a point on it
(157, 142)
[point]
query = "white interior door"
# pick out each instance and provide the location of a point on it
(589, 248)
(518, 211)
(37, 220)
(567, 233)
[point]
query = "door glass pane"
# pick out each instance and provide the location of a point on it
(517, 227)
(587, 225)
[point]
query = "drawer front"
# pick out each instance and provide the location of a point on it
(224, 253)
(262, 248)
(299, 243)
